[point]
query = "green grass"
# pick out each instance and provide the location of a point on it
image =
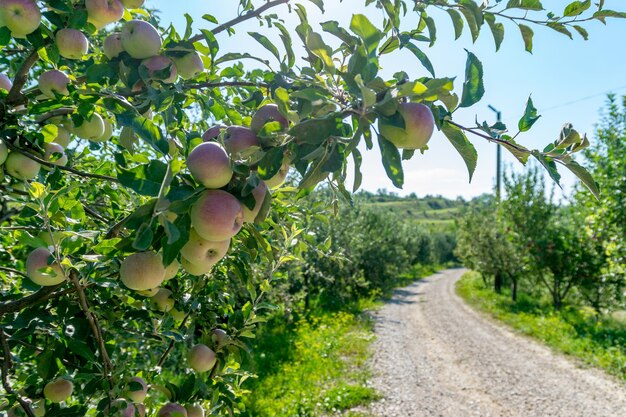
(572, 330)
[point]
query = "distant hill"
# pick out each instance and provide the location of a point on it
(436, 211)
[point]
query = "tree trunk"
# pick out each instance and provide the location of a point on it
(497, 283)
(514, 289)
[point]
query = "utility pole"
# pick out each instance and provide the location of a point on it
(498, 157)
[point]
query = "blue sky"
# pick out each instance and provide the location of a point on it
(566, 79)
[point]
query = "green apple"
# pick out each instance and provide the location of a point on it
(108, 132)
(163, 300)
(189, 65)
(265, 114)
(419, 125)
(217, 215)
(72, 44)
(194, 410)
(21, 167)
(203, 252)
(134, 394)
(172, 410)
(5, 83)
(279, 178)
(4, 152)
(22, 17)
(42, 273)
(209, 165)
(172, 270)
(91, 129)
(142, 271)
(55, 153)
(102, 12)
(140, 39)
(132, 4)
(64, 137)
(201, 358)
(219, 337)
(160, 68)
(54, 81)
(58, 390)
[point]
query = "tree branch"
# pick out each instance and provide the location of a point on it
(21, 77)
(6, 366)
(44, 294)
(251, 14)
(209, 84)
(95, 326)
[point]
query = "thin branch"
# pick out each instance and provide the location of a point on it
(21, 77)
(64, 111)
(95, 326)
(251, 14)
(93, 213)
(61, 167)
(489, 138)
(44, 294)
(13, 271)
(6, 367)
(171, 345)
(209, 84)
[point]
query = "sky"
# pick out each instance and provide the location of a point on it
(567, 79)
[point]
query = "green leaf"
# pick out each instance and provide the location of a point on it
(371, 36)
(267, 44)
(423, 58)
(473, 16)
(525, 4)
(582, 32)
(576, 8)
(145, 129)
(143, 237)
(559, 27)
(457, 21)
(271, 163)
(391, 161)
(549, 164)
(145, 179)
(316, 131)
(463, 146)
(358, 176)
(473, 87)
(529, 118)
(527, 35)
(286, 38)
(585, 177)
(497, 29)
(316, 45)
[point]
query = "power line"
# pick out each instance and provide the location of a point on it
(582, 99)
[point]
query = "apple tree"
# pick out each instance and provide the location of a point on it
(141, 208)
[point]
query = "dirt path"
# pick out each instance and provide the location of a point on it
(434, 356)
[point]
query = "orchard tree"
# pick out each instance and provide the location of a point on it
(140, 229)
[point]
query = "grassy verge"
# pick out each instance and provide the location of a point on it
(316, 366)
(574, 331)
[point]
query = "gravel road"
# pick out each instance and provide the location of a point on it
(435, 356)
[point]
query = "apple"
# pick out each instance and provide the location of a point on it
(201, 358)
(132, 4)
(112, 45)
(42, 273)
(5, 83)
(177, 314)
(52, 149)
(163, 300)
(189, 66)
(259, 196)
(22, 17)
(134, 394)
(217, 215)
(219, 337)
(91, 129)
(172, 410)
(239, 139)
(172, 270)
(149, 293)
(419, 126)
(195, 269)
(103, 12)
(21, 167)
(194, 411)
(39, 407)
(58, 390)
(64, 137)
(141, 410)
(121, 408)
(4, 152)
(209, 164)
(212, 133)
(279, 178)
(265, 114)
(200, 251)
(54, 81)
(108, 132)
(142, 271)
(72, 43)
(140, 39)
(160, 68)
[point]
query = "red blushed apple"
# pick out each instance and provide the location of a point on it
(102, 12)
(239, 139)
(120, 408)
(201, 358)
(160, 68)
(419, 126)
(217, 215)
(40, 272)
(209, 164)
(72, 44)
(142, 271)
(58, 390)
(202, 252)
(265, 114)
(55, 154)
(21, 167)
(54, 81)
(172, 410)
(112, 45)
(194, 411)
(140, 39)
(137, 395)
(21, 17)
(219, 337)
(212, 133)
(189, 66)
(259, 196)
(5, 83)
